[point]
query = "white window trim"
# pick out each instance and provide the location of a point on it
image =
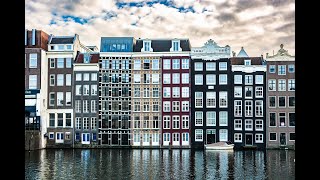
(286, 120)
(285, 102)
(274, 120)
(255, 138)
(234, 125)
(207, 69)
(289, 137)
(52, 134)
(289, 102)
(245, 80)
(223, 75)
(235, 137)
(245, 128)
(294, 85)
(195, 67)
(270, 136)
(285, 84)
(256, 91)
(195, 137)
(274, 69)
(285, 70)
(195, 99)
(195, 117)
(275, 102)
(238, 87)
(221, 69)
(198, 83)
(256, 79)
(275, 84)
(256, 125)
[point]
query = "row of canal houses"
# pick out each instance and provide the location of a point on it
(154, 93)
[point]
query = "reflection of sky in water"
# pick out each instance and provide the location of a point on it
(159, 164)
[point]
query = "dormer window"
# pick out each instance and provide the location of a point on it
(175, 46)
(60, 47)
(146, 46)
(247, 62)
(69, 47)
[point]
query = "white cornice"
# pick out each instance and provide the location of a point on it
(249, 69)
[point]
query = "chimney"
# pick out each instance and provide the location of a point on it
(267, 55)
(233, 53)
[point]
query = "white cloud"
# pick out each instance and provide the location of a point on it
(259, 28)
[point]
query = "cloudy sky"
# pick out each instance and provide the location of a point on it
(259, 26)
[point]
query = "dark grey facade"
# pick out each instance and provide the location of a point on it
(248, 105)
(86, 100)
(114, 100)
(212, 119)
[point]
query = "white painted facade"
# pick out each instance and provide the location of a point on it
(43, 98)
(210, 51)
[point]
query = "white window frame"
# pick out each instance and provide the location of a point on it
(223, 66)
(175, 122)
(224, 132)
(245, 90)
(175, 92)
(259, 92)
(248, 122)
(198, 98)
(259, 108)
(285, 103)
(248, 79)
(198, 132)
(166, 64)
(238, 107)
(137, 64)
(249, 109)
(185, 106)
(68, 79)
(166, 122)
(166, 106)
(211, 79)
(220, 118)
(212, 118)
(166, 92)
(238, 91)
(198, 66)
(223, 79)
(279, 69)
(33, 57)
(257, 123)
(213, 68)
(166, 78)
(237, 79)
(274, 82)
(60, 99)
(238, 124)
(155, 78)
(223, 95)
(174, 63)
(274, 68)
(211, 99)
(270, 136)
(185, 121)
(60, 79)
(260, 136)
(289, 84)
(199, 119)
(293, 66)
(238, 137)
(176, 78)
(185, 92)
(282, 81)
(184, 63)
(259, 79)
(185, 78)
(198, 79)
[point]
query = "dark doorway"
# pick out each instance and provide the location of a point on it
(211, 136)
(248, 139)
(283, 140)
(124, 139)
(115, 139)
(105, 139)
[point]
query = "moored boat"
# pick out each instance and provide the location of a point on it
(219, 146)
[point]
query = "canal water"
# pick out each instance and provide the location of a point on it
(143, 164)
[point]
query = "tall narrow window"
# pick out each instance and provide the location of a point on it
(211, 99)
(211, 118)
(238, 108)
(199, 118)
(32, 81)
(33, 61)
(198, 99)
(223, 99)
(185, 63)
(68, 98)
(68, 79)
(223, 118)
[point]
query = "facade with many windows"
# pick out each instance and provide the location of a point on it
(175, 91)
(146, 97)
(86, 99)
(248, 107)
(115, 97)
(280, 99)
(35, 57)
(210, 94)
(62, 51)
